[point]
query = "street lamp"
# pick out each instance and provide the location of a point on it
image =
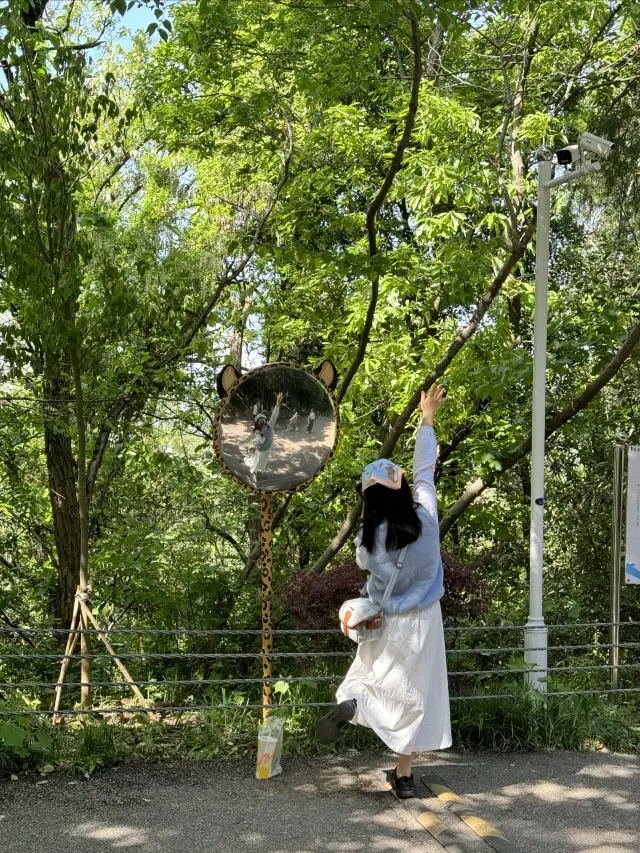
(581, 159)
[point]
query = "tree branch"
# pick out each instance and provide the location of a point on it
(119, 165)
(130, 195)
(226, 536)
(517, 159)
(434, 57)
(456, 345)
(446, 448)
(587, 56)
(376, 204)
(553, 425)
(513, 219)
(234, 272)
(113, 413)
(33, 12)
(16, 628)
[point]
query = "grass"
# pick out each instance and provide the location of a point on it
(530, 721)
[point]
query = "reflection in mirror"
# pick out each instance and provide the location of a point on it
(277, 428)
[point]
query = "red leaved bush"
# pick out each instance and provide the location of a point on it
(465, 591)
(312, 601)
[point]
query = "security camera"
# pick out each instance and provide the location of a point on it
(595, 144)
(567, 156)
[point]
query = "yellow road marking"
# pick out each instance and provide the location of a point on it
(480, 826)
(432, 822)
(449, 796)
(447, 837)
(487, 831)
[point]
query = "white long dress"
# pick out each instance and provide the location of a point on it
(400, 683)
(400, 680)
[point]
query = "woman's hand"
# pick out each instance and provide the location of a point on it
(431, 402)
(279, 398)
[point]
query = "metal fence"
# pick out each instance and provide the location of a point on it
(479, 668)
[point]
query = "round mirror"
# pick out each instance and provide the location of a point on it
(276, 429)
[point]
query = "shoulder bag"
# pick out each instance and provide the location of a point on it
(361, 619)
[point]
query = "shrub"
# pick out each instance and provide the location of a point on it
(313, 600)
(465, 590)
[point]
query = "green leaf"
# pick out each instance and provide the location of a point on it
(12, 735)
(44, 739)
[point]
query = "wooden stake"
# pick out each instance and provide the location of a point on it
(85, 662)
(89, 615)
(66, 660)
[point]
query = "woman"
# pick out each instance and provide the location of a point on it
(397, 684)
(263, 435)
(311, 420)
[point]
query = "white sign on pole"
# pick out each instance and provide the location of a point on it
(632, 557)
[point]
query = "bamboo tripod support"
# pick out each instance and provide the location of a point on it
(266, 577)
(80, 619)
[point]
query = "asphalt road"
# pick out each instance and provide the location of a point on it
(551, 802)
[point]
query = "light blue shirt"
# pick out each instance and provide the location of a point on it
(420, 582)
(264, 440)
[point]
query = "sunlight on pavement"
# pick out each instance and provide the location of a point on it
(120, 836)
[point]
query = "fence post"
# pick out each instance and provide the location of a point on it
(616, 551)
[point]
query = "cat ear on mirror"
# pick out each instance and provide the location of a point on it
(227, 378)
(327, 374)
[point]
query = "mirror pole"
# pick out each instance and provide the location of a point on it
(266, 572)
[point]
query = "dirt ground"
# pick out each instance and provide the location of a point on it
(295, 456)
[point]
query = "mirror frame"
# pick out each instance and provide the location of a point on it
(221, 410)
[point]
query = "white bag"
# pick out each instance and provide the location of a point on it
(360, 618)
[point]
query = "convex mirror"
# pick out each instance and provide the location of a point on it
(277, 426)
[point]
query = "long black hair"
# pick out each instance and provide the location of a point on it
(397, 508)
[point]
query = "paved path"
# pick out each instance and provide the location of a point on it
(543, 803)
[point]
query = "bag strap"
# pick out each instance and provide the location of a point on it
(393, 578)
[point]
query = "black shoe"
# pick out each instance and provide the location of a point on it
(329, 727)
(404, 786)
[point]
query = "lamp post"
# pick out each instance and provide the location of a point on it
(581, 159)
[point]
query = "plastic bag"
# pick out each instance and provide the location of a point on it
(270, 748)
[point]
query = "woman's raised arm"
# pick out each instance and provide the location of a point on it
(424, 454)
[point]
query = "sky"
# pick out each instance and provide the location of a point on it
(137, 18)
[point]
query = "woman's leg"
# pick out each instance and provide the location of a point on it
(263, 461)
(404, 765)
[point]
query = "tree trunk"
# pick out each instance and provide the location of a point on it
(237, 335)
(62, 492)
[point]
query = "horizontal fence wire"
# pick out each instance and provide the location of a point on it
(96, 712)
(21, 685)
(205, 632)
(227, 655)
(17, 632)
